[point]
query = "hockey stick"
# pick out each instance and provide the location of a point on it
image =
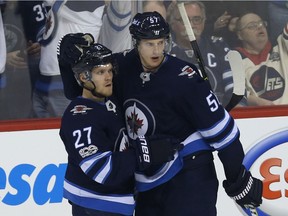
(192, 40)
(252, 210)
(236, 65)
(235, 61)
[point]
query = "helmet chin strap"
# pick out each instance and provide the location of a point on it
(93, 91)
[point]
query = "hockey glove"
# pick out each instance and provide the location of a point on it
(154, 150)
(246, 191)
(69, 49)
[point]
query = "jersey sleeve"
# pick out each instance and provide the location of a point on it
(33, 16)
(115, 29)
(90, 147)
(200, 106)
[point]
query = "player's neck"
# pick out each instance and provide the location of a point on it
(88, 94)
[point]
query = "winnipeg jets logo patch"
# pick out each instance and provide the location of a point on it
(271, 86)
(80, 109)
(187, 70)
(134, 121)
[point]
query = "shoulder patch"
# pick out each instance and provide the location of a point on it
(110, 106)
(87, 151)
(80, 109)
(187, 70)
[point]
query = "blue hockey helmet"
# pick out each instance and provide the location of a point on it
(149, 25)
(93, 56)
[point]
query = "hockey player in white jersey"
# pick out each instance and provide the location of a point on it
(162, 94)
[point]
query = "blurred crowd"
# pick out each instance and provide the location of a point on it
(30, 80)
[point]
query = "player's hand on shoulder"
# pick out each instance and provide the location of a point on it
(246, 190)
(69, 49)
(155, 150)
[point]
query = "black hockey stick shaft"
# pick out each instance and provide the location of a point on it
(235, 60)
(192, 40)
(199, 59)
(252, 210)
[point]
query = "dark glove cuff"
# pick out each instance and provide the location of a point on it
(244, 191)
(235, 188)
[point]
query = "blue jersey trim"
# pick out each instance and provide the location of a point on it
(195, 146)
(121, 16)
(173, 170)
(104, 204)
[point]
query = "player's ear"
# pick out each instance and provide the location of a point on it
(84, 77)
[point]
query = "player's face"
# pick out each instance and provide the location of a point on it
(197, 22)
(102, 78)
(151, 52)
(252, 32)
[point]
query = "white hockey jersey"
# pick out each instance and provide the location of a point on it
(268, 79)
(69, 21)
(115, 29)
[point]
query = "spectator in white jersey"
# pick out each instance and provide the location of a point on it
(72, 16)
(265, 61)
(213, 49)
